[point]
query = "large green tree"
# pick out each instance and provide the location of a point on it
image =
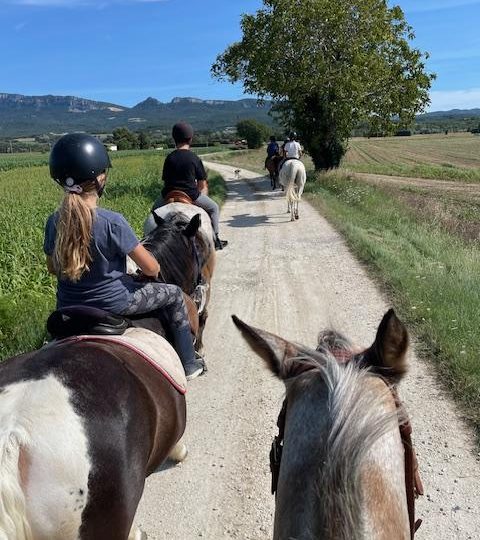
(253, 132)
(329, 65)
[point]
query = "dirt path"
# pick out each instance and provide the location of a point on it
(294, 279)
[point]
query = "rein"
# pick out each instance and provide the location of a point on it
(413, 482)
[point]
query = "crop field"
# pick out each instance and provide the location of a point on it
(34, 159)
(442, 157)
(454, 157)
(27, 291)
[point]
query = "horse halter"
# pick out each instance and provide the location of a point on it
(413, 482)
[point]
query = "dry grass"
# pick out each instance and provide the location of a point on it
(453, 157)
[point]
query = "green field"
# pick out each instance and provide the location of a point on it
(34, 159)
(27, 291)
(421, 243)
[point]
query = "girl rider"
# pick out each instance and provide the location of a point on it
(86, 248)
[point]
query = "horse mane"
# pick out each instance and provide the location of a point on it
(355, 422)
(173, 250)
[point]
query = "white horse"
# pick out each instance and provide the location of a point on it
(292, 177)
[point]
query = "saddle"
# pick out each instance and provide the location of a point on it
(86, 320)
(176, 195)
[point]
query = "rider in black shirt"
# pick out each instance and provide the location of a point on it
(183, 170)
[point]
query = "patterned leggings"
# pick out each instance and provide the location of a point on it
(166, 302)
(151, 297)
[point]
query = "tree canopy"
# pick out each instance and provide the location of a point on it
(329, 65)
(253, 132)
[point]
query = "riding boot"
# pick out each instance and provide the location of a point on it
(220, 244)
(192, 363)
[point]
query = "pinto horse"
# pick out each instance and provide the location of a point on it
(342, 473)
(82, 423)
(292, 177)
(180, 237)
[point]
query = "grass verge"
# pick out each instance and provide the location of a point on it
(431, 276)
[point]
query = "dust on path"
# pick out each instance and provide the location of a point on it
(293, 279)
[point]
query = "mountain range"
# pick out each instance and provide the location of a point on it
(24, 116)
(35, 115)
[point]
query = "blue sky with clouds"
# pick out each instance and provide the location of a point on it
(123, 51)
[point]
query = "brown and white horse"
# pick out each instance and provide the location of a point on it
(342, 471)
(81, 426)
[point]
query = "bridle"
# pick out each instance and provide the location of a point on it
(413, 482)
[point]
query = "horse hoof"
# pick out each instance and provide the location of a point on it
(137, 534)
(178, 453)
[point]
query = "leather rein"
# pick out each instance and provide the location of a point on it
(413, 482)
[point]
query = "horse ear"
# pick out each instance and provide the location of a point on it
(192, 228)
(273, 349)
(158, 220)
(389, 350)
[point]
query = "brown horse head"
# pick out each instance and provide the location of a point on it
(342, 468)
(183, 246)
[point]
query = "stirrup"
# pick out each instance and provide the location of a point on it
(199, 296)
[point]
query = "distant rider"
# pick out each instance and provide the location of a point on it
(184, 171)
(272, 149)
(292, 148)
(87, 246)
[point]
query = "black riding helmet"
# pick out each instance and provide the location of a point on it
(292, 135)
(77, 158)
(182, 132)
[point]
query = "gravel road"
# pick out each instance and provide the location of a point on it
(293, 279)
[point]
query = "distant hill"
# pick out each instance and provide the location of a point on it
(454, 113)
(36, 115)
(24, 116)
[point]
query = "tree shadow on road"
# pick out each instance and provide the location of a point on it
(247, 220)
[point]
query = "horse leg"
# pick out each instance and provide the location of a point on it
(202, 320)
(179, 452)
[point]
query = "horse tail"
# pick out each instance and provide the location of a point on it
(292, 191)
(300, 179)
(13, 515)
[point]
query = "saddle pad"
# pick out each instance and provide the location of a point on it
(150, 347)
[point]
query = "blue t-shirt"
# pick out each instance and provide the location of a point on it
(104, 286)
(272, 149)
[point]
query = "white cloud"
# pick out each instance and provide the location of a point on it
(445, 100)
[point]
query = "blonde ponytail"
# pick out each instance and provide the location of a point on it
(71, 255)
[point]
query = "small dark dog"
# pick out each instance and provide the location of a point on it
(237, 173)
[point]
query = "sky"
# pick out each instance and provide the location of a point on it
(123, 51)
